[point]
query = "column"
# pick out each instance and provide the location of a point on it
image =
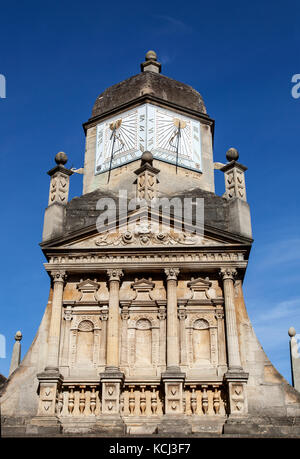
(112, 379)
(234, 360)
(173, 379)
(112, 343)
(235, 377)
(172, 320)
(55, 322)
(50, 380)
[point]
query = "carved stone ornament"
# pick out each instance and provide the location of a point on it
(201, 324)
(228, 273)
(201, 289)
(88, 291)
(58, 276)
(142, 289)
(86, 325)
(115, 274)
(143, 235)
(171, 273)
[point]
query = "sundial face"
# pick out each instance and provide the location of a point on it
(170, 136)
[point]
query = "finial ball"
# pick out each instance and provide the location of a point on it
(147, 157)
(151, 56)
(18, 336)
(292, 332)
(232, 154)
(61, 158)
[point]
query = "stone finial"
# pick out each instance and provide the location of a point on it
(16, 353)
(295, 358)
(61, 158)
(151, 64)
(234, 176)
(291, 332)
(232, 154)
(18, 336)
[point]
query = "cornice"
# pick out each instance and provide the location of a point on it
(151, 99)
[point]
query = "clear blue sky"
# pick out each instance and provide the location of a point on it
(58, 56)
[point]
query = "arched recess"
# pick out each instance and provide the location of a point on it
(203, 341)
(85, 343)
(143, 343)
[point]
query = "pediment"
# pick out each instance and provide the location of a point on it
(142, 235)
(141, 231)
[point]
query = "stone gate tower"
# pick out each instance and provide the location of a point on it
(146, 330)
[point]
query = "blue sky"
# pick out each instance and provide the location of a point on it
(58, 56)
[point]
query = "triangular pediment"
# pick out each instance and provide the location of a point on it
(140, 231)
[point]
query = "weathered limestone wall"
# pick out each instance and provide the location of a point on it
(19, 395)
(269, 394)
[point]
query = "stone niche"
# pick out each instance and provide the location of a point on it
(143, 344)
(85, 343)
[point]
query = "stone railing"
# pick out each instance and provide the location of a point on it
(141, 400)
(83, 399)
(78, 399)
(204, 399)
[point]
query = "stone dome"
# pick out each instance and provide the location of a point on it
(151, 83)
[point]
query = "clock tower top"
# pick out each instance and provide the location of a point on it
(149, 112)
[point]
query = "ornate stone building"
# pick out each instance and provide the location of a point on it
(146, 329)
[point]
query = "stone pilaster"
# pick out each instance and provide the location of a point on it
(183, 350)
(173, 379)
(172, 319)
(112, 379)
(112, 346)
(124, 333)
(235, 377)
(55, 322)
(50, 380)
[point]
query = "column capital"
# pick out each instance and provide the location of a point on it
(228, 273)
(115, 274)
(171, 273)
(58, 276)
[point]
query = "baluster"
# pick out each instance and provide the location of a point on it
(60, 402)
(71, 399)
(216, 400)
(204, 399)
(193, 400)
(153, 400)
(143, 400)
(93, 400)
(131, 400)
(184, 402)
(82, 399)
(122, 403)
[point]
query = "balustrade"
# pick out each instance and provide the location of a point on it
(204, 400)
(78, 400)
